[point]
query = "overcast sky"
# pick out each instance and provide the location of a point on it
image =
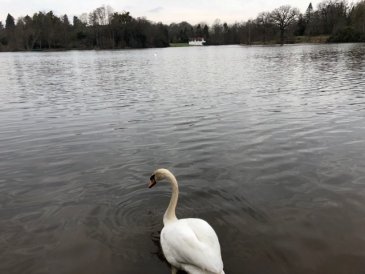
(166, 11)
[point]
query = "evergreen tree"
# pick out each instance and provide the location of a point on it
(308, 13)
(206, 32)
(65, 20)
(10, 22)
(2, 36)
(10, 32)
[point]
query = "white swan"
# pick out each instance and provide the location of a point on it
(188, 244)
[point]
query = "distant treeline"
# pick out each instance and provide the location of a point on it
(105, 29)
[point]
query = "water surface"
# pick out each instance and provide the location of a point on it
(267, 144)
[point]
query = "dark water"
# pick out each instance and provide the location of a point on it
(268, 144)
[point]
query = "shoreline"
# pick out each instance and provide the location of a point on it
(314, 40)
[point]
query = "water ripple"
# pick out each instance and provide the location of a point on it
(271, 155)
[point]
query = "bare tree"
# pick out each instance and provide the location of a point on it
(264, 21)
(333, 15)
(283, 17)
(101, 16)
(357, 16)
(217, 32)
(84, 18)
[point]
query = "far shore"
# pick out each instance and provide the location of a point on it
(321, 39)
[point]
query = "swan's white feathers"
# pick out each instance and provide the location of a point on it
(188, 244)
(192, 243)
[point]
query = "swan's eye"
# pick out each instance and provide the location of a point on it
(152, 177)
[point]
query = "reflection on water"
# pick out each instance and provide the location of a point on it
(266, 142)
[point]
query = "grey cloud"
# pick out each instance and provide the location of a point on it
(156, 10)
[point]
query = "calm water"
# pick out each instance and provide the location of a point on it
(268, 144)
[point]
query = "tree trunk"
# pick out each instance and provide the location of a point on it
(282, 36)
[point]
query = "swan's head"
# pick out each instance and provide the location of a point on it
(158, 175)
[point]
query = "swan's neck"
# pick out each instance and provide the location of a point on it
(170, 215)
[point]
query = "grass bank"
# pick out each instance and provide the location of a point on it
(319, 39)
(179, 45)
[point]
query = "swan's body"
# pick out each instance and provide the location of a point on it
(188, 244)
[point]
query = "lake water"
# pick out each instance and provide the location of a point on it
(267, 143)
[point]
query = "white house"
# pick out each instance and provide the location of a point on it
(197, 41)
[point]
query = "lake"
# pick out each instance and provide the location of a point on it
(267, 143)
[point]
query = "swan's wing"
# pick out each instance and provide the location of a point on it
(192, 242)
